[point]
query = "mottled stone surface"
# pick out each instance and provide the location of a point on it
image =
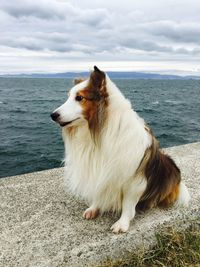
(42, 225)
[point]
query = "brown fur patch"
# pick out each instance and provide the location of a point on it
(163, 178)
(78, 80)
(95, 103)
(171, 198)
(71, 130)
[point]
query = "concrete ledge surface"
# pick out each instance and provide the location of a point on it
(42, 225)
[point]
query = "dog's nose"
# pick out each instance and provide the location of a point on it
(55, 116)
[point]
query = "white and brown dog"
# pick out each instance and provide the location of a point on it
(113, 159)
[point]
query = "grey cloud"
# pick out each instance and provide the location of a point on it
(33, 9)
(37, 45)
(39, 42)
(48, 10)
(145, 45)
(62, 42)
(179, 32)
(94, 18)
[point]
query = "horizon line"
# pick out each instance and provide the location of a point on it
(162, 73)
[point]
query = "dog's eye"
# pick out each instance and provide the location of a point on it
(79, 98)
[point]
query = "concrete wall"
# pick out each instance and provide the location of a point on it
(42, 225)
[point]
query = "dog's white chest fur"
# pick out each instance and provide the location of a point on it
(98, 173)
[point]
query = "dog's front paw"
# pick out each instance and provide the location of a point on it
(121, 226)
(90, 213)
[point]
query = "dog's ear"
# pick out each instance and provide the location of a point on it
(97, 69)
(78, 80)
(97, 77)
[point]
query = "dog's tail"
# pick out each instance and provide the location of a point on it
(184, 195)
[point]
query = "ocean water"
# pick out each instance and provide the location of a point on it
(30, 141)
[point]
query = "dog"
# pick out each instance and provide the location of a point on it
(113, 160)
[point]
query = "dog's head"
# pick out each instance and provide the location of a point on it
(86, 103)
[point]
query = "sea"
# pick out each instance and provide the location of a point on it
(30, 141)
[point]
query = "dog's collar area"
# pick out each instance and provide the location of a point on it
(67, 123)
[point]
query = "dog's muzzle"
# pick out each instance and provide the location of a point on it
(56, 117)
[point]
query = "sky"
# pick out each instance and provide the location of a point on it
(49, 36)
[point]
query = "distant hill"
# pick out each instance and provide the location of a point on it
(112, 74)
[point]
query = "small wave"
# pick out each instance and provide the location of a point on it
(20, 111)
(163, 135)
(155, 102)
(173, 102)
(149, 109)
(38, 100)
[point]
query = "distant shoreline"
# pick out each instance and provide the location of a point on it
(112, 74)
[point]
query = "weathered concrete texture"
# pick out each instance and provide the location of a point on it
(42, 225)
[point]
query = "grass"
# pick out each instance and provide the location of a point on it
(174, 248)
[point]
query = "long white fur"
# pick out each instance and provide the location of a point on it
(184, 196)
(104, 176)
